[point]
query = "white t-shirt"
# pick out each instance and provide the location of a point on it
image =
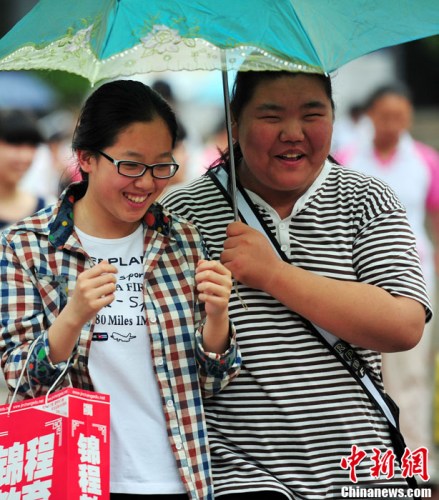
(120, 365)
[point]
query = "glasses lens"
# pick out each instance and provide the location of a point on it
(164, 170)
(159, 170)
(131, 168)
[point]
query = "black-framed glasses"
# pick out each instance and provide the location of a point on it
(130, 168)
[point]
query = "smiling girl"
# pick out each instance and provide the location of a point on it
(119, 292)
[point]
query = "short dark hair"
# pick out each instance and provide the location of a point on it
(397, 89)
(246, 83)
(115, 106)
(19, 126)
(244, 87)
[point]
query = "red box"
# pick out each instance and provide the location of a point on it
(58, 450)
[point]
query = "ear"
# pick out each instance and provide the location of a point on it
(86, 160)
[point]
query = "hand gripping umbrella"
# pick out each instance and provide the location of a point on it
(105, 39)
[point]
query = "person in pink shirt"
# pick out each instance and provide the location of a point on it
(385, 149)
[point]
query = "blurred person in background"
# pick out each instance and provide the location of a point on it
(214, 145)
(58, 128)
(53, 167)
(181, 156)
(348, 126)
(181, 152)
(20, 137)
(388, 151)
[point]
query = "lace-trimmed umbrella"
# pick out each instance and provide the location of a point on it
(105, 39)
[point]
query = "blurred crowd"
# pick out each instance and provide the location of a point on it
(374, 135)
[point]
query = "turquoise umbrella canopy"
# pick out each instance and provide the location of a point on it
(107, 39)
(102, 39)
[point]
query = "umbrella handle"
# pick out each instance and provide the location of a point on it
(243, 304)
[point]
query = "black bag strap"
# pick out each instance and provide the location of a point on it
(341, 349)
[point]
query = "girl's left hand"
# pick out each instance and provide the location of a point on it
(214, 284)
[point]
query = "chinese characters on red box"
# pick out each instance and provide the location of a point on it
(58, 449)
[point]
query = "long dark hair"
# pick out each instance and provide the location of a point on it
(244, 87)
(112, 108)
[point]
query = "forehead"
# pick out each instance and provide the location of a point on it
(294, 90)
(392, 102)
(152, 130)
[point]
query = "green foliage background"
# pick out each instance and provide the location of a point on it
(71, 89)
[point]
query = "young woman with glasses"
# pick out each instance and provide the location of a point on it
(109, 284)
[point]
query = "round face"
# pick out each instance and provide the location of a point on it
(285, 135)
(114, 205)
(15, 160)
(391, 115)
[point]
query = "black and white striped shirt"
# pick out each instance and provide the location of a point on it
(287, 420)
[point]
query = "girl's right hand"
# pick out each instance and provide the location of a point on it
(95, 289)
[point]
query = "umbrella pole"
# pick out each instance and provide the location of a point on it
(232, 173)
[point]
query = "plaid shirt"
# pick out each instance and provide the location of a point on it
(41, 258)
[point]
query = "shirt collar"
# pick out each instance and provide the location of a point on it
(62, 225)
(301, 202)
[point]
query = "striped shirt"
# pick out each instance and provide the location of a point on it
(294, 412)
(41, 258)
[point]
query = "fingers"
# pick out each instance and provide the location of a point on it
(95, 289)
(239, 234)
(236, 228)
(98, 269)
(101, 278)
(211, 265)
(214, 290)
(102, 281)
(214, 281)
(210, 271)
